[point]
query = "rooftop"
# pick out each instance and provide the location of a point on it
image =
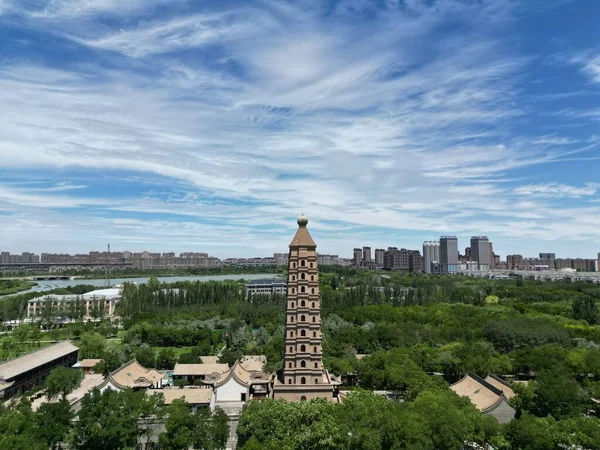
(133, 374)
(86, 363)
(481, 393)
(199, 369)
(12, 368)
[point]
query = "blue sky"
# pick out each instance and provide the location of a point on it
(208, 126)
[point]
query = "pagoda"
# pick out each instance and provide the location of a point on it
(303, 376)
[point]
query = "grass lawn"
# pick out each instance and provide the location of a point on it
(178, 350)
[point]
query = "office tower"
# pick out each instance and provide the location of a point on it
(303, 375)
(480, 252)
(379, 252)
(357, 257)
(431, 255)
(367, 255)
(449, 254)
(492, 256)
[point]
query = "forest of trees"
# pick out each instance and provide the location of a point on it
(411, 327)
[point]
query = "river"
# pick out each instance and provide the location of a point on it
(46, 285)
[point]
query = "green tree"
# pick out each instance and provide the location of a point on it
(53, 422)
(145, 355)
(62, 381)
(91, 345)
(211, 430)
(166, 359)
(108, 420)
(585, 308)
(179, 427)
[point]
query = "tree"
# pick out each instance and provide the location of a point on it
(212, 429)
(53, 422)
(145, 355)
(62, 381)
(531, 433)
(166, 359)
(555, 392)
(91, 345)
(108, 420)
(585, 308)
(17, 426)
(179, 427)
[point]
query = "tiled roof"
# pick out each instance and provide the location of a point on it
(199, 369)
(500, 384)
(302, 239)
(87, 363)
(133, 374)
(25, 363)
(481, 393)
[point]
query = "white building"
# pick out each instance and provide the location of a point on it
(266, 287)
(86, 304)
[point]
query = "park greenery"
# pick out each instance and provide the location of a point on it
(13, 286)
(420, 333)
(108, 420)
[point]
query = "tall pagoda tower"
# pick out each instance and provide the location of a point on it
(303, 376)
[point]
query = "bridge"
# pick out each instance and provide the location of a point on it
(42, 267)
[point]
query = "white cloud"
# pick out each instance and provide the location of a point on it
(388, 130)
(557, 190)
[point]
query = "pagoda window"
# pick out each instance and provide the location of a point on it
(314, 334)
(290, 365)
(303, 263)
(312, 291)
(302, 380)
(291, 349)
(316, 381)
(312, 278)
(289, 381)
(303, 348)
(291, 334)
(314, 319)
(302, 303)
(291, 318)
(315, 349)
(302, 276)
(302, 364)
(294, 305)
(314, 305)
(302, 289)
(302, 318)
(316, 365)
(311, 265)
(303, 333)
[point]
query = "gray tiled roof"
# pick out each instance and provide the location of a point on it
(12, 368)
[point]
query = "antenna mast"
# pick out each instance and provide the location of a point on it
(108, 268)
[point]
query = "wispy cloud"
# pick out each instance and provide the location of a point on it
(224, 123)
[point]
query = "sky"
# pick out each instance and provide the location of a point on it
(174, 125)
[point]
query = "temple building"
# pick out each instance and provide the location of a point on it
(303, 376)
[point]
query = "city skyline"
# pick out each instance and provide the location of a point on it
(209, 127)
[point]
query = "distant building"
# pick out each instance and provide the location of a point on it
(379, 252)
(491, 396)
(492, 256)
(514, 261)
(431, 255)
(480, 252)
(403, 259)
(548, 256)
(266, 287)
(281, 259)
(25, 372)
(448, 254)
(357, 257)
(366, 256)
(99, 303)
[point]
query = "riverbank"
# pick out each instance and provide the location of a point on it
(9, 287)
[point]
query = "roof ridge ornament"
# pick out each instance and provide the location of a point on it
(302, 220)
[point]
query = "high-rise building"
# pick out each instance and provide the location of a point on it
(431, 255)
(366, 255)
(303, 376)
(480, 252)
(357, 259)
(547, 256)
(492, 256)
(448, 254)
(403, 259)
(379, 252)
